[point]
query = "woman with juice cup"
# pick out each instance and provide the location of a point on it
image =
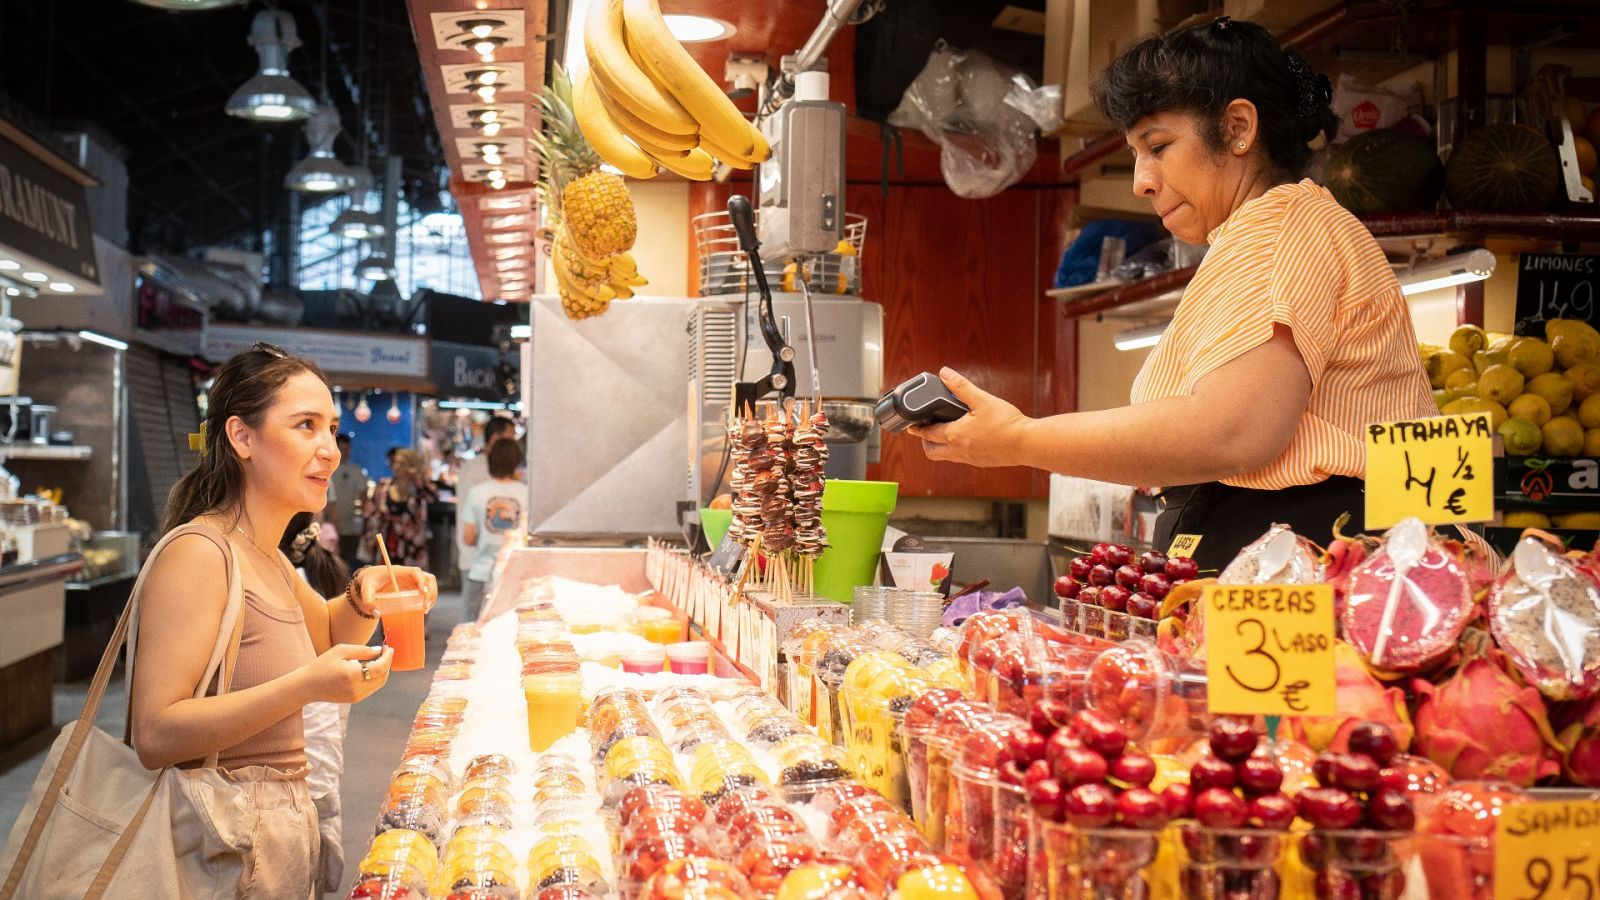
(266, 452)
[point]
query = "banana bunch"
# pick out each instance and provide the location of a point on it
(587, 285)
(646, 105)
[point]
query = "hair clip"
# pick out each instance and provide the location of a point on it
(1221, 23)
(197, 440)
(270, 350)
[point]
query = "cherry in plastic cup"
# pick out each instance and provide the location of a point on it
(644, 660)
(403, 627)
(689, 657)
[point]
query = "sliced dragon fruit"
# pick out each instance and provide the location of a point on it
(1545, 613)
(1405, 606)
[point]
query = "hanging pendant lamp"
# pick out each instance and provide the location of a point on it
(271, 95)
(321, 172)
(355, 222)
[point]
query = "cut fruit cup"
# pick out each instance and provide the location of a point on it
(1069, 613)
(1091, 863)
(1151, 694)
(1356, 863)
(1240, 864)
(1460, 867)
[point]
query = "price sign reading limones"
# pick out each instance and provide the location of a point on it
(1435, 469)
(1269, 649)
(1548, 850)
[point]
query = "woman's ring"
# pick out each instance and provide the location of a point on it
(366, 675)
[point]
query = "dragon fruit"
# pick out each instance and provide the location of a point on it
(1483, 723)
(1545, 613)
(1405, 606)
(1279, 556)
(1578, 730)
(1360, 698)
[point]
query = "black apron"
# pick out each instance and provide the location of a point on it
(1227, 518)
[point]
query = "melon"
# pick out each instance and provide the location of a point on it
(1502, 168)
(1384, 171)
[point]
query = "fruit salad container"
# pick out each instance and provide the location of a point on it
(564, 860)
(695, 878)
(768, 860)
(388, 882)
(1151, 694)
(875, 701)
(489, 764)
(400, 857)
(482, 866)
(1456, 836)
(655, 854)
(1092, 863)
(1544, 611)
(1358, 864)
(806, 644)
(829, 676)
(942, 805)
(486, 795)
(917, 729)
(1237, 863)
(976, 775)
(720, 766)
(882, 859)
(808, 764)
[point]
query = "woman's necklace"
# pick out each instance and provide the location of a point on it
(276, 564)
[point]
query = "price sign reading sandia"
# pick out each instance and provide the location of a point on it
(1548, 850)
(1436, 469)
(1269, 649)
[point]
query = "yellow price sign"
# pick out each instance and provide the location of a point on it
(1548, 850)
(1435, 469)
(1184, 545)
(1269, 649)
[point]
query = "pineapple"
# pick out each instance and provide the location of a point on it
(594, 205)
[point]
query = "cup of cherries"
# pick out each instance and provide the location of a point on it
(1094, 816)
(1236, 816)
(1109, 593)
(1361, 823)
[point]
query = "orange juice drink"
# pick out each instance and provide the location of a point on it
(553, 708)
(403, 627)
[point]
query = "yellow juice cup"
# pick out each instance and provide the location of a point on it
(553, 708)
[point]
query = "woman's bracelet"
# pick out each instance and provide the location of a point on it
(350, 597)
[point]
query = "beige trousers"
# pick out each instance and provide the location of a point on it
(282, 863)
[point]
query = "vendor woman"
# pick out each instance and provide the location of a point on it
(1292, 336)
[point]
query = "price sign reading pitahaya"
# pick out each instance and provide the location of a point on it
(1269, 649)
(1436, 469)
(1547, 850)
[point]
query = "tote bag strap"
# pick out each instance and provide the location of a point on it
(232, 619)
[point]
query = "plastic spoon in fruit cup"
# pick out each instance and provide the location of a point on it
(1406, 544)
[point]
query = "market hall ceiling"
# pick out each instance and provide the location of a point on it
(155, 84)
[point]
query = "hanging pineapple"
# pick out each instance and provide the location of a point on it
(590, 211)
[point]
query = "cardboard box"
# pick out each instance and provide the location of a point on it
(1081, 39)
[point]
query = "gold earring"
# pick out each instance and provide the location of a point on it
(1240, 145)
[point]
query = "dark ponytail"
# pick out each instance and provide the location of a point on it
(1202, 68)
(244, 386)
(325, 572)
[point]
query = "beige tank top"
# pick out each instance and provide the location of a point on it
(274, 642)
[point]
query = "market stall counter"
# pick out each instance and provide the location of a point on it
(33, 604)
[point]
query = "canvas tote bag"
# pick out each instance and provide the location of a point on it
(97, 823)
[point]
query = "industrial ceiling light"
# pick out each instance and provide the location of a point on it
(321, 172)
(486, 92)
(35, 277)
(481, 28)
(186, 5)
(485, 47)
(377, 267)
(62, 287)
(355, 222)
(9, 265)
(483, 76)
(272, 95)
(1447, 271)
(690, 29)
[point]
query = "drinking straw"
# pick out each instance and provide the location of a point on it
(384, 551)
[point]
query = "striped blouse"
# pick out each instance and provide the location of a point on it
(1295, 257)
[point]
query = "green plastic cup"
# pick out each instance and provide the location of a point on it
(715, 522)
(855, 513)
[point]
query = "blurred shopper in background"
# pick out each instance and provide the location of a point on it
(347, 495)
(469, 474)
(398, 510)
(492, 511)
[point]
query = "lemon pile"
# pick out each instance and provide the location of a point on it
(1542, 396)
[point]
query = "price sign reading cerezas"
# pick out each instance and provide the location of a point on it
(1548, 850)
(1269, 649)
(1436, 469)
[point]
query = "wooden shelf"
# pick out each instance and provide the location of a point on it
(45, 452)
(1553, 226)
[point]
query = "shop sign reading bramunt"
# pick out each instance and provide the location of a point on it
(44, 214)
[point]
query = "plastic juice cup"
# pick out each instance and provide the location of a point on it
(689, 657)
(553, 707)
(403, 627)
(643, 660)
